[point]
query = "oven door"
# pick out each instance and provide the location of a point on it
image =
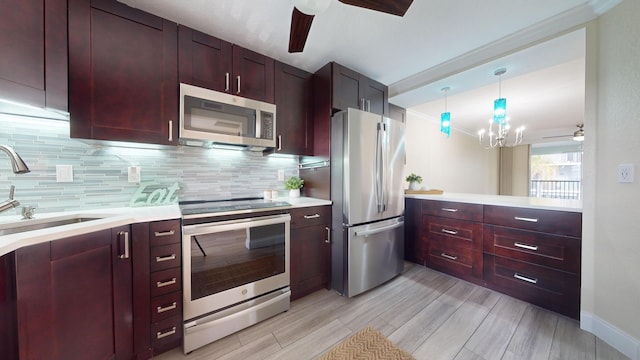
(230, 262)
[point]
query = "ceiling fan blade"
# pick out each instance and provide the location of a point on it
(300, 26)
(394, 7)
(556, 136)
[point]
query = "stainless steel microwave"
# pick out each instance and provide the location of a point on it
(210, 117)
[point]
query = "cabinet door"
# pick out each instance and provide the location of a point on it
(346, 88)
(413, 240)
(376, 96)
(123, 81)
(204, 60)
(33, 43)
(76, 298)
(293, 102)
(253, 75)
(310, 260)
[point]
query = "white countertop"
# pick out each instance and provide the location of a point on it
(107, 218)
(503, 200)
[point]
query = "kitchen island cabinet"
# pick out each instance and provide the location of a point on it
(524, 247)
(75, 297)
(33, 42)
(215, 64)
(123, 78)
(310, 250)
(293, 95)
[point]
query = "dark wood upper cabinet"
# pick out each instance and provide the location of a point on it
(215, 64)
(33, 43)
(293, 95)
(354, 90)
(123, 74)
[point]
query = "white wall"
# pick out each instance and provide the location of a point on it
(455, 164)
(611, 244)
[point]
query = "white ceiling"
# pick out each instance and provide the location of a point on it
(456, 43)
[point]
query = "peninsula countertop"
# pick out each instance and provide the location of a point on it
(504, 200)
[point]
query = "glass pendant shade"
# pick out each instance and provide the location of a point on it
(445, 123)
(500, 111)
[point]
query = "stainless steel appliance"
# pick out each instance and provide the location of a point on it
(235, 266)
(210, 117)
(367, 163)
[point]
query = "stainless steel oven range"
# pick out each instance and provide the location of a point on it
(235, 266)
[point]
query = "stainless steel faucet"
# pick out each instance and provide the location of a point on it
(19, 167)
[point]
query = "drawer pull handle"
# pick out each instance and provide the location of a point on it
(165, 258)
(525, 278)
(161, 334)
(454, 258)
(328, 239)
(164, 233)
(525, 246)
(533, 220)
(449, 210)
(166, 283)
(450, 232)
(161, 309)
(314, 216)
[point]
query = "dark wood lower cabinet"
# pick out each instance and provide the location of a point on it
(75, 297)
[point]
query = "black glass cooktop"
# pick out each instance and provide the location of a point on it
(199, 207)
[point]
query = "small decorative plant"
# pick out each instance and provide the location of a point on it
(413, 178)
(293, 183)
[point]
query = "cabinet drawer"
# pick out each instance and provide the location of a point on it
(455, 258)
(453, 210)
(453, 229)
(166, 306)
(164, 232)
(559, 252)
(549, 221)
(166, 281)
(165, 257)
(551, 289)
(310, 216)
(166, 334)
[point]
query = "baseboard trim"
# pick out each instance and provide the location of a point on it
(618, 339)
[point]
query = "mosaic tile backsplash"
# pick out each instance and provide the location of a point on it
(100, 177)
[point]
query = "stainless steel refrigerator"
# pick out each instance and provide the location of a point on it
(367, 165)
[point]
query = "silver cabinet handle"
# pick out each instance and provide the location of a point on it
(450, 257)
(279, 142)
(525, 278)
(170, 130)
(449, 210)
(314, 216)
(368, 105)
(164, 233)
(534, 220)
(238, 77)
(166, 283)
(165, 258)
(362, 104)
(126, 244)
(328, 240)
(161, 309)
(525, 246)
(161, 334)
(226, 82)
(450, 232)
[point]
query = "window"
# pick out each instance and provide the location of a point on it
(556, 171)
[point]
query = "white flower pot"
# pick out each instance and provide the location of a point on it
(294, 193)
(414, 185)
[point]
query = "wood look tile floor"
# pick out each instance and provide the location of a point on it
(427, 313)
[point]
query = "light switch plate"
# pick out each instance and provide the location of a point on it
(625, 173)
(64, 173)
(280, 175)
(134, 174)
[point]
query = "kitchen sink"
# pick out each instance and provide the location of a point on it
(37, 224)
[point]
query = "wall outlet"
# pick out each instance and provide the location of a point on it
(64, 173)
(134, 174)
(625, 173)
(280, 175)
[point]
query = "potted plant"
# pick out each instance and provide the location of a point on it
(294, 184)
(414, 181)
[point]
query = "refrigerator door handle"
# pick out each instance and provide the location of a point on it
(385, 168)
(379, 169)
(366, 233)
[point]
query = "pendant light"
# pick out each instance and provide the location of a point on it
(500, 138)
(445, 117)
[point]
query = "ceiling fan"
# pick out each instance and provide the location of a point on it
(305, 10)
(578, 135)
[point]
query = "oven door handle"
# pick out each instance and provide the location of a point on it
(214, 227)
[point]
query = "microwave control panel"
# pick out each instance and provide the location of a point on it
(266, 124)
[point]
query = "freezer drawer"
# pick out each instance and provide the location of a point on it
(375, 254)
